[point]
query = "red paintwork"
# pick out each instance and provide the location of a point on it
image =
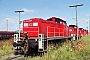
(85, 32)
(81, 32)
(51, 27)
(72, 30)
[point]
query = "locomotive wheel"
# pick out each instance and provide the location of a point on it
(26, 55)
(14, 44)
(16, 53)
(41, 54)
(21, 52)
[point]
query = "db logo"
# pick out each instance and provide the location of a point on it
(30, 24)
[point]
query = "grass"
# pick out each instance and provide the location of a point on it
(67, 51)
(6, 48)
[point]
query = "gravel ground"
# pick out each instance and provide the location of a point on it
(14, 57)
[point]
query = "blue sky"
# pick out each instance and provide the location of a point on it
(43, 9)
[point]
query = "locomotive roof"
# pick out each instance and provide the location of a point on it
(72, 25)
(80, 28)
(57, 19)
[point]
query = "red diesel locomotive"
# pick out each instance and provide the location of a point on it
(38, 33)
(52, 27)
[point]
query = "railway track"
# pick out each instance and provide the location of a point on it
(14, 57)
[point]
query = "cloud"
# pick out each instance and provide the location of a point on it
(88, 14)
(28, 11)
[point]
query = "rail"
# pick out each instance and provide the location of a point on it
(10, 56)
